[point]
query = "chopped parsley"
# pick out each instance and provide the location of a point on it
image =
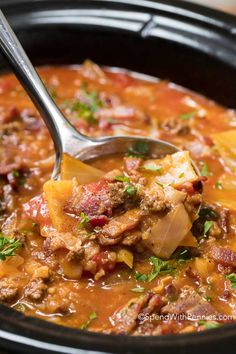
(208, 298)
(138, 289)
(232, 279)
(187, 116)
(181, 175)
(140, 277)
(205, 170)
(130, 189)
(219, 185)
(139, 149)
(84, 219)
(122, 178)
(8, 246)
(159, 267)
(207, 226)
(87, 106)
(209, 324)
(152, 168)
(91, 318)
(19, 176)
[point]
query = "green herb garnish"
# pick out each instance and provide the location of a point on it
(19, 176)
(181, 175)
(122, 178)
(88, 106)
(219, 185)
(138, 290)
(152, 168)
(207, 226)
(84, 219)
(232, 279)
(139, 149)
(130, 189)
(92, 317)
(159, 267)
(140, 277)
(205, 170)
(209, 324)
(8, 246)
(187, 116)
(208, 298)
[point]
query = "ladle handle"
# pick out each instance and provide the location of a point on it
(62, 132)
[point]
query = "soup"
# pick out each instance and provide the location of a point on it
(134, 243)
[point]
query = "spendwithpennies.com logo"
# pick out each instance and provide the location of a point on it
(145, 317)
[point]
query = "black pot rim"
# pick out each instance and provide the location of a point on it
(28, 332)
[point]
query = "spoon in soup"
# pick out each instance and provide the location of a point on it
(65, 137)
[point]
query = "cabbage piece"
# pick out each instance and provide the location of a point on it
(169, 231)
(57, 194)
(174, 169)
(72, 167)
(225, 143)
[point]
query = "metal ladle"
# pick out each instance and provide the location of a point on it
(65, 137)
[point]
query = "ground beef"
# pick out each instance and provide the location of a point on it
(153, 200)
(8, 290)
(192, 204)
(174, 127)
(132, 238)
(36, 289)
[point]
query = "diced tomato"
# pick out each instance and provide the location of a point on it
(99, 220)
(5, 86)
(103, 262)
(37, 210)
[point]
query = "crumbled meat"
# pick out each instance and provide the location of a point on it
(105, 260)
(51, 244)
(127, 319)
(132, 163)
(153, 199)
(224, 220)
(190, 303)
(215, 230)
(36, 289)
(174, 126)
(119, 225)
(8, 290)
(192, 204)
(31, 120)
(224, 256)
(117, 194)
(97, 198)
(132, 238)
